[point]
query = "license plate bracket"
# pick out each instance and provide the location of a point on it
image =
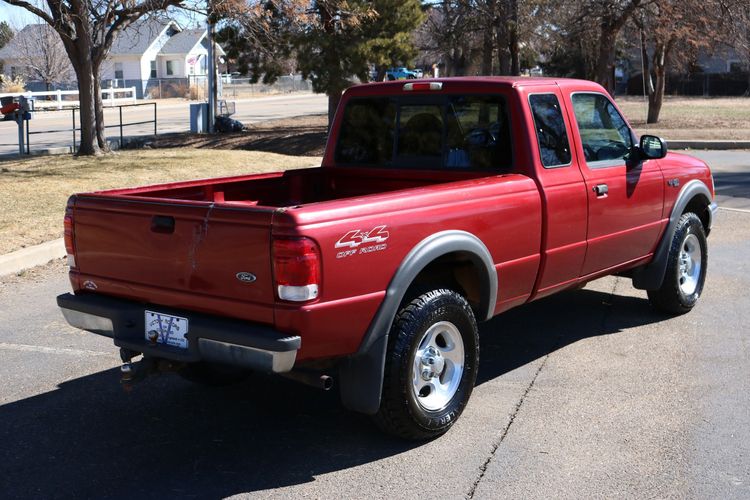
(166, 329)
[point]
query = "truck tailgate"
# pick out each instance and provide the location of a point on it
(198, 248)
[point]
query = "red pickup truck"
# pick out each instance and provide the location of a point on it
(439, 204)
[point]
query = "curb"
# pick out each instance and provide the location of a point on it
(713, 145)
(26, 258)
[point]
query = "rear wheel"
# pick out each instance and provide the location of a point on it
(431, 366)
(686, 268)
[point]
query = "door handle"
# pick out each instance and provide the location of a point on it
(601, 190)
(162, 224)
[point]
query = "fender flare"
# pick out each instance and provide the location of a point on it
(361, 375)
(651, 276)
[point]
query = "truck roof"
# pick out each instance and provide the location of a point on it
(473, 82)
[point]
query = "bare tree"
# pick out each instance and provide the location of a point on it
(450, 33)
(87, 29)
(672, 32)
(42, 56)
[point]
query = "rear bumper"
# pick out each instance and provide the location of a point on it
(210, 338)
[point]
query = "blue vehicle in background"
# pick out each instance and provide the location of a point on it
(400, 74)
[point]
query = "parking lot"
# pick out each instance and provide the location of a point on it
(588, 393)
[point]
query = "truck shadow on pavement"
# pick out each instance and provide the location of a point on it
(169, 438)
(733, 184)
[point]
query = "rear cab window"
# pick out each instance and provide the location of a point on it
(469, 132)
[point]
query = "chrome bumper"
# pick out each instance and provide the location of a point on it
(211, 338)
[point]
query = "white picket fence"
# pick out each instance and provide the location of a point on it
(110, 97)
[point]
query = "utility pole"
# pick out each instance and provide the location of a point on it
(211, 75)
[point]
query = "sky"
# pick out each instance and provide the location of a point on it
(16, 16)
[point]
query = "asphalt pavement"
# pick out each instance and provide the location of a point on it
(588, 393)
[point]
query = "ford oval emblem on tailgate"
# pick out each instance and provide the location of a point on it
(246, 277)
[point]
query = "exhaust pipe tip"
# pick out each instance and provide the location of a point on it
(313, 379)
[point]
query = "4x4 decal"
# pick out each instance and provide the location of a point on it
(374, 239)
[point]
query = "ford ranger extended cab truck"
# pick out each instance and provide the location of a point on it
(439, 204)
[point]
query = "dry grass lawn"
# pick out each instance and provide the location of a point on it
(33, 191)
(692, 117)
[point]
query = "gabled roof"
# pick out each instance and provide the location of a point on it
(139, 36)
(183, 42)
(27, 41)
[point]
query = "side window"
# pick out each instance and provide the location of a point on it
(604, 134)
(554, 147)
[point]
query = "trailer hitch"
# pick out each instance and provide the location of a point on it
(132, 372)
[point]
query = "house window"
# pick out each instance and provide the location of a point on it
(118, 71)
(170, 68)
(153, 69)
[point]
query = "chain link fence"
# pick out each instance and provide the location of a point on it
(702, 84)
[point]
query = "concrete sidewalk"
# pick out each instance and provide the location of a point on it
(29, 257)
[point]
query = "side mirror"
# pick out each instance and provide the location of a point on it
(652, 147)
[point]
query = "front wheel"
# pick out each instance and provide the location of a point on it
(431, 366)
(686, 268)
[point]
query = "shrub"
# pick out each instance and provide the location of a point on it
(12, 85)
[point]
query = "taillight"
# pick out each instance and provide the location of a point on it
(296, 269)
(423, 86)
(69, 233)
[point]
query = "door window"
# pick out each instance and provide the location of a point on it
(605, 136)
(118, 71)
(153, 69)
(554, 147)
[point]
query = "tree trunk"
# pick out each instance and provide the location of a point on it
(488, 47)
(85, 74)
(503, 54)
(333, 103)
(605, 62)
(515, 60)
(656, 92)
(101, 135)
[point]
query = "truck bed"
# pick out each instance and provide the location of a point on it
(295, 187)
(181, 244)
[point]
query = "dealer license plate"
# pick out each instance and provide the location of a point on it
(167, 329)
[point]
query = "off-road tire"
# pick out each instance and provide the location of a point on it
(672, 297)
(401, 413)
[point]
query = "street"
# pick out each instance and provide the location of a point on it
(588, 393)
(172, 116)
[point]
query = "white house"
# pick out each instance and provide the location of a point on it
(145, 55)
(153, 49)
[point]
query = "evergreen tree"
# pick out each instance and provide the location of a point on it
(332, 41)
(6, 33)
